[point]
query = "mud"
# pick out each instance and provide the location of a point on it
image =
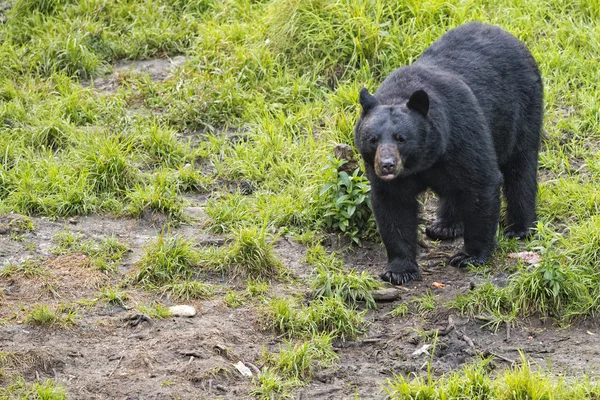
(101, 356)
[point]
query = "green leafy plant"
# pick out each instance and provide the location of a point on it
(347, 201)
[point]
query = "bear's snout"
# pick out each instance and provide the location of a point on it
(388, 163)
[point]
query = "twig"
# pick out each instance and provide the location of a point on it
(508, 360)
(117, 366)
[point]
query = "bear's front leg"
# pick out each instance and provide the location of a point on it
(396, 211)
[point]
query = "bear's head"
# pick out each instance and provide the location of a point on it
(391, 138)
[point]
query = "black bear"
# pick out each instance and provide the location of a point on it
(462, 120)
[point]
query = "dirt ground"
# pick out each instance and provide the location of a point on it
(192, 358)
(102, 357)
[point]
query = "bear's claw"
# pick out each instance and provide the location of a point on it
(516, 233)
(462, 260)
(400, 278)
(442, 231)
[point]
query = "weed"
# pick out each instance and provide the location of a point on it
(154, 310)
(46, 316)
(425, 303)
(169, 259)
(233, 299)
(114, 295)
(29, 268)
(299, 361)
(347, 202)
(401, 310)
(188, 289)
(252, 256)
(293, 366)
(351, 286)
(18, 388)
(21, 224)
(327, 315)
(257, 288)
(270, 385)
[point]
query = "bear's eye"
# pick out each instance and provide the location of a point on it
(373, 139)
(399, 138)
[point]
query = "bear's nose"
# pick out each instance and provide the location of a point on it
(388, 166)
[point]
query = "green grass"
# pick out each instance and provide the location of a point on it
(293, 366)
(169, 259)
(18, 388)
(474, 381)
(154, 310)
(328, 315)
(104, 255)
(44, 315)
(331, 280)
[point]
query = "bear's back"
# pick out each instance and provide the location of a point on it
(501, 73)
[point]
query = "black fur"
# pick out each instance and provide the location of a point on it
(466, 118)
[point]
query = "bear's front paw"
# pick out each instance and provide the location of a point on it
(462, 260)
(440, 230)
(516, 233)
(399, 272)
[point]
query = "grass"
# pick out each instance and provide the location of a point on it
(114, 296)
(331, 280)
(474, 381)
(44, 315)
(18, 388)
(293, 366)
(104, 255)
(169, 259)
(154, 310)
(327, 315)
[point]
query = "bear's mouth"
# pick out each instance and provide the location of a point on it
(387, 177)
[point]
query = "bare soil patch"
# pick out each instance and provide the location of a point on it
(101, 356)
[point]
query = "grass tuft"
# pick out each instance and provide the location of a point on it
(168, 260)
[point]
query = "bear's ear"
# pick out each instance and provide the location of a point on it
(419, 101)
(367, 100)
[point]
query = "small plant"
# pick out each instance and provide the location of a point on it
(67, 241)
(21, 224)
(401, 310)
(169, 259)
(270, 385)
(425, 303)
(350, 287)
(44, 315)
(347, 202)
(114, 295)
(233, 299)
(252, 256)
(257, 288)
(327, 315)
(155, 310)
(18, 388)
(188, 290)
(299, 361)
(29, 268)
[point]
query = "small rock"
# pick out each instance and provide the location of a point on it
(182, 311)
(421, 350)
(245, 371)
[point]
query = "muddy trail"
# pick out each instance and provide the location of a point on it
(104, 356)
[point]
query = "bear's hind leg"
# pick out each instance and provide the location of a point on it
(480, 213)
(520, 190)
(448, 224)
